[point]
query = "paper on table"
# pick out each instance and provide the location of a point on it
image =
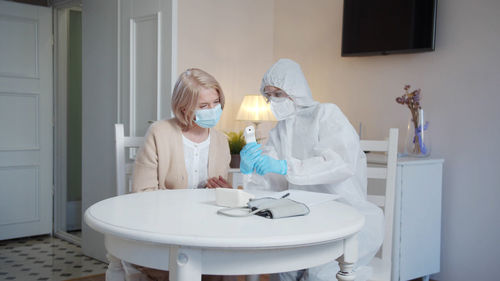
(307, 197)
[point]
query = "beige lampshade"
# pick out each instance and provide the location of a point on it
(254, 108)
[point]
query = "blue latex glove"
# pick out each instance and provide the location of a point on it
(248, 156)
(268, 164)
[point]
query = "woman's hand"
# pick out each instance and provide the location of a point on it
(250, 153)
(267, 164)
(218, 182)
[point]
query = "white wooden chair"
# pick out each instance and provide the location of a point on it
(382, 264)
(119, 270)
(124, 165)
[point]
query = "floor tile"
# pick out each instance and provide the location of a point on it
(45, 258)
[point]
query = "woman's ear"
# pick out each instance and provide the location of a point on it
(183, 112)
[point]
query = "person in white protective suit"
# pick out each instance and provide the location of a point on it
(313, 147)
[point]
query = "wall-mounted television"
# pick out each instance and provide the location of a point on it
(381, 27)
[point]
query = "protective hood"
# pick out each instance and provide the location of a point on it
(287, 75)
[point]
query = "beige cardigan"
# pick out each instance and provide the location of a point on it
(160, 164)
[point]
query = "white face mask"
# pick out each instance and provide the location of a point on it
(282, 108)
(208, 118)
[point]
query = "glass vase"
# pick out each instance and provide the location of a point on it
(417, 137)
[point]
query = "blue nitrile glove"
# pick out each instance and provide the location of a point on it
(268, 164)
(249, 155)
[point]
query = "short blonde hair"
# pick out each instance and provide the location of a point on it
(186, 91)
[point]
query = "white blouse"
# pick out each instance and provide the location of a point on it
(196, 160)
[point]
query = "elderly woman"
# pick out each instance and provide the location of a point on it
(185, 151)
(313, 147)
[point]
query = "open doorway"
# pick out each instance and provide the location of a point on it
(68, 121)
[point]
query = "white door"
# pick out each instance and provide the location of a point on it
(145, 53)
(25, 120)
(147, 58)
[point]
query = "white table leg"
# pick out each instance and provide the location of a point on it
(346, 272)
(115, 270)
(426, 278)
(348, 260)
(185, 264)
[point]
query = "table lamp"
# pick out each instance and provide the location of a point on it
(255, 109)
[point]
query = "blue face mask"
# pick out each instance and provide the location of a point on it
(207, 118)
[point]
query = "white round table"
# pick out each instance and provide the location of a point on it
(180, 231)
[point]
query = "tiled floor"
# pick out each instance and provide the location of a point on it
(76, 233)
(45, 258)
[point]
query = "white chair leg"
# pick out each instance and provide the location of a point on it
(115, 270)
(119, 270)
(132, 274)
(252, 278)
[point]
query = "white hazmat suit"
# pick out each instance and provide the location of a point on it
(323, 154)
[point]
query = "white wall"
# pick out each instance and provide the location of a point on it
(233, 41)
(99, 80)
(460, 84)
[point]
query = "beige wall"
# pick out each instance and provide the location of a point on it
(460, 84)
(230, 39)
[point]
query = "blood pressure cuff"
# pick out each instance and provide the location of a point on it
(270, 208)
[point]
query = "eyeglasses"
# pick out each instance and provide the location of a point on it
(277, 94)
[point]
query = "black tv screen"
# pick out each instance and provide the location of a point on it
(374, 27)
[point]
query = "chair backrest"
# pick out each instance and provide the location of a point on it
(124, 163)
(382, 266)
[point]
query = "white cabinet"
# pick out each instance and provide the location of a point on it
(417, 220)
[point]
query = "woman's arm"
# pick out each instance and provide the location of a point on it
(145, 175)
(334, 157)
